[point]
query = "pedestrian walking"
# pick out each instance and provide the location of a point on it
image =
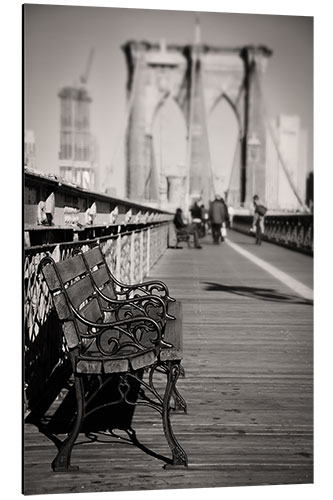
(195, 212)
(218, 215)
(204, 220)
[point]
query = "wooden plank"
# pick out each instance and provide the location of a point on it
(71, 268)
(51, 277)
(80, 291)
(100, 276)
(91, 312)
(61, 305)
(93, 257)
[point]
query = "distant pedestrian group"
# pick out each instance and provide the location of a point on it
(216, 220)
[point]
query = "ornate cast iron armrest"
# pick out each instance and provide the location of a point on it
(118, 335)
(147, 301)
(147, 287)
(111, 324)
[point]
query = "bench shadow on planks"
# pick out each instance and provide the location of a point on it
(117, 337)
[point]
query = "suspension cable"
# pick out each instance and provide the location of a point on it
(275, 142)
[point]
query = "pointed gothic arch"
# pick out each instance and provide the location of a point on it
(169, 133)
(224, 129)
(196, 77)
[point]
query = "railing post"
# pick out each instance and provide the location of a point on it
(148, 249)
(118, 256)
(141, 256)
(132, 257)
(45, 211)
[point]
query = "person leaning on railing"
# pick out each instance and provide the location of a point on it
(188, 228)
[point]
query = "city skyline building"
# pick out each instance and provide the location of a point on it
(78, 147)
(292, 141)
(29, 149)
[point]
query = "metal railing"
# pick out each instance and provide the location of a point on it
(292, 231)
(130, 256)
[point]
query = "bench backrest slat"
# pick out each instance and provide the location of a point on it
(71, 268)
(61, 306)
(91, 312)
(101, 276)
(94, 257)
(80, 291)
(69, 283)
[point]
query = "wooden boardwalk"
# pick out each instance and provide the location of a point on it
(248, 357)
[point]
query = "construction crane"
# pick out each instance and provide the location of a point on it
(84, 77)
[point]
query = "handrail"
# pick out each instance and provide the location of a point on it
(294, 231)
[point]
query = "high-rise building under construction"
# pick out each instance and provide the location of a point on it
(77, 156)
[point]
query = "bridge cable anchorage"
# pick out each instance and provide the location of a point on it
(276, 145)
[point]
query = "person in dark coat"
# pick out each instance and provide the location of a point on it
(196, 215)
(189, 228)
(204, 220)
(195, 211)
(218, 215)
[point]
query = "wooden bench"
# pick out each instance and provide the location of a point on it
(115, 334)
(182, 235)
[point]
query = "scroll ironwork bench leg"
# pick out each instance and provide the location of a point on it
(179, 401)
(62, 462)
(179, 457)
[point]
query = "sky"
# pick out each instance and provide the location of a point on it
(58, 39)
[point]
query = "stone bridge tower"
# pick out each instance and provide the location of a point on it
(197, 77)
